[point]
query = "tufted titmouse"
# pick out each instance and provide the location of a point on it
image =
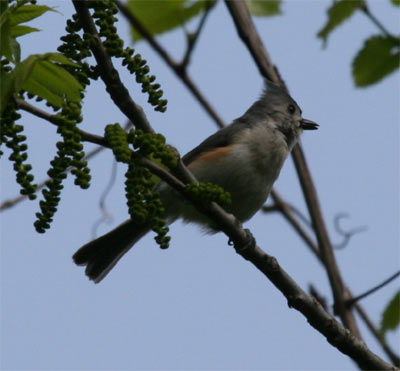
(244, 158)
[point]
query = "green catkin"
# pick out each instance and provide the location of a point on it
(76, 46)
(11, 136)
(70, 149)
(209, 192)
(144, 204)
(103, 14)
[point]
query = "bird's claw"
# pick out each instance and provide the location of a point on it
(242, 248)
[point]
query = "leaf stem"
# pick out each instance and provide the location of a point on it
(365, 9)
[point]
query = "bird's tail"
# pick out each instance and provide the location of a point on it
(101, 254)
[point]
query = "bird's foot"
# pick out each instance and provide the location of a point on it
(243, 248)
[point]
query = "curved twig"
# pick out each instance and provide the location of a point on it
(347, 235)
(192, 38)
(105, 215)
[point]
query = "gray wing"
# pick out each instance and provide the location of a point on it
(222, 138)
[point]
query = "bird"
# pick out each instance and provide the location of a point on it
(244, 158)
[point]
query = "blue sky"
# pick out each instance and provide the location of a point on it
(198, 305)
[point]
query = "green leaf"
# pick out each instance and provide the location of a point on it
(9, 29)
(162, 16)
(16, 49)
(264, 8)
(3, 6)
(18, 30)
(23, 71)
(28, 12)
(52, 82)
(391, 315)
(59, 58)
(6, 40)
(396, 2)
(43, 76)
(337, 14)
(5, 14)
(379, 57)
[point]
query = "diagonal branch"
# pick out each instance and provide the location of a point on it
(192, 38)
(353, 300)
(249, 36)
(114, 86)
(176, 67)
(87, 137)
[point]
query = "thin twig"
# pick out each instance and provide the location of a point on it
(192, 38)
(285, 209)
(301, 216)
(321, 299)
(176, 67)
(347, 235)
(15, 200)
(105, 215)
(270, 208)
(353, 300)
(87, 137)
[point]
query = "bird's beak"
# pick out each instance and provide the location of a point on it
(308, 124)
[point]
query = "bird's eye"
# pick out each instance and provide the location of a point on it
(291, 109)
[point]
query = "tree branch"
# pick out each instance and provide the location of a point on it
(249, 35)
(192, 38)
(286, 211)
(87, 137)
(114, 86)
